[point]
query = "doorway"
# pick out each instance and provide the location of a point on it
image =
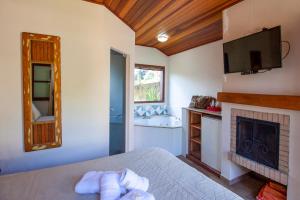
(117, 121)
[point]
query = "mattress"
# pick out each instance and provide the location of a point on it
(169, 178)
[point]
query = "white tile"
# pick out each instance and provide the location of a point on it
(232, 149)
(253, 166)
(255, 115)
(260, 115)
(283, 147)
(244, 162)
(265, 116)
(270, 117)
(286, 122)
(248, 164)
(284, 133)
(257, 168)
(277, 176)
(233, 127)
(283, 163)
(283, 169)
(241, 161)
(285, 159)
(272, 174)
(275, 118)
(262, 169)
(233, 158)
(284, 139)
(283, 154)
(243, 113)
(284, 179)
(267, 172)
(280, 119)
(250, 114)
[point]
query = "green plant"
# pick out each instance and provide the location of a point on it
(152, 94)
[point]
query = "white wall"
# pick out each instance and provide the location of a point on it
(152, 56)
(87, 32)
(251, 16)
(198, 71)
(248, 17)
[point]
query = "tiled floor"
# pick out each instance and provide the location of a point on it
(247, 188)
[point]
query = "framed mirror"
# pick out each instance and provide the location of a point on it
(41, 91)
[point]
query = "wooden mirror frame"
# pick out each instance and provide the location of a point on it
(53, 58)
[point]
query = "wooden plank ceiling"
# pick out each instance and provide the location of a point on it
(189, 23)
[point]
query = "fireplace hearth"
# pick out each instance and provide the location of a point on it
(258, 140)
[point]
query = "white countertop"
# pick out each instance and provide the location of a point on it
(219, 114)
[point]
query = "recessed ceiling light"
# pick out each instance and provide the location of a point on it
(162, 37)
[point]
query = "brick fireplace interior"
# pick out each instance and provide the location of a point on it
(258, 140)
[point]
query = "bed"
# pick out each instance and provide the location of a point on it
(170, 179)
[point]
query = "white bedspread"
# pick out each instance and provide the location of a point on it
(170, 179)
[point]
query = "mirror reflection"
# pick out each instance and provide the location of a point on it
(42, 93)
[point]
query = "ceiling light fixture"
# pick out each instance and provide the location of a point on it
(162, 37)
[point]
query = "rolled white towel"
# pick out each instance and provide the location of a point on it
(110, 187)
(89, 183)
(137, 195)
(131, 180)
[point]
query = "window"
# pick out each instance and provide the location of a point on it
(41, 82)
(149, 83)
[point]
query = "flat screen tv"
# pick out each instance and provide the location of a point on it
(259, 51)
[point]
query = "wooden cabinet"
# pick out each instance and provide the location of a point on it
(204, 139)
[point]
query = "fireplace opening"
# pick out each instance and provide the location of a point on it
(258, 140)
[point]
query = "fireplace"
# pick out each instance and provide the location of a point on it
(258, 140)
